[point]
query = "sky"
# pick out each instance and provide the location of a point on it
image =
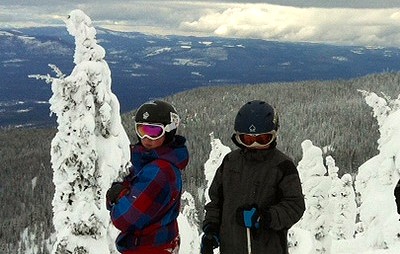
(346, 22)
(342, 22)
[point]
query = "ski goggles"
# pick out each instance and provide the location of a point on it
(154, 131)
(149, 130)
(256, 140)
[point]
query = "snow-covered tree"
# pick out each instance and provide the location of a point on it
(90, 149)
(377, 178)
(217, 154)
(379, 106)
(316, 187)
(32, 240)
(330, 204)
(332, 168)
(300, 241)
(189, 224)
(343, 206)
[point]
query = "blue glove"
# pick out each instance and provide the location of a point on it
(251, 216)
(248, 216)
(210, 239)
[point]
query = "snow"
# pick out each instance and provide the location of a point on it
(34, 182)
(4, 33)
(139, 75)
(190, 62)
(340, 58)
(11, 103)
(91, 137)
(25, 110)
(217, 154)
(159, 51)
(358, 51)
(207, 43)
(196, 73)
(188, 225)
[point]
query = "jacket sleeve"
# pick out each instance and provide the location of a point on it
(291, 206)
(214, 207)
(148, 195)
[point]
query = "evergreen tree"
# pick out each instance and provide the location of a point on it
(90, 149)
(315, 186)
(342, 203)
(380, 228)
(217, 154)
(189, 224)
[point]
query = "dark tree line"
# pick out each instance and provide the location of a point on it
(26, 188)
(331, 114)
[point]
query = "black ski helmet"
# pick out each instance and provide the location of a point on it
(159, 112)
(256, 117)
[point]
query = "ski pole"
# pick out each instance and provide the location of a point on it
(248, 241)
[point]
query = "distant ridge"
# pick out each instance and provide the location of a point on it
(147, 66)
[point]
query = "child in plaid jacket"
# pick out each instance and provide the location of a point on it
(145, 206)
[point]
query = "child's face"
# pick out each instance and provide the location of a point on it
(151, 144)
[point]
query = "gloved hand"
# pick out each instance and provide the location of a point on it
(250, 216)
(117, 191)
(210, 239)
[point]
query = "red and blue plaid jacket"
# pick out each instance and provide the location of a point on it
(147, 215)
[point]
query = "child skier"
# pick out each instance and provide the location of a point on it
(256, 194)
(145, 206)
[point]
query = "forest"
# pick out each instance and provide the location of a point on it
(332, 114)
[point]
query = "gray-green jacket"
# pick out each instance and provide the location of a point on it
(267, 178)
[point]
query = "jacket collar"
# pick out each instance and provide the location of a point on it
(258, 155)
(175, 153)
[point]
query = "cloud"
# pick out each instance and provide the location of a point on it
(347, 26)
(31, 16)
(271, 22)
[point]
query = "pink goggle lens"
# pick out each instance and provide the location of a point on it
(149, 130)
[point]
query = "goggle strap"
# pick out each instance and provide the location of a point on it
(169, 127)
(174, 122)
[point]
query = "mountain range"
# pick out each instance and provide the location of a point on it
(147, 66)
